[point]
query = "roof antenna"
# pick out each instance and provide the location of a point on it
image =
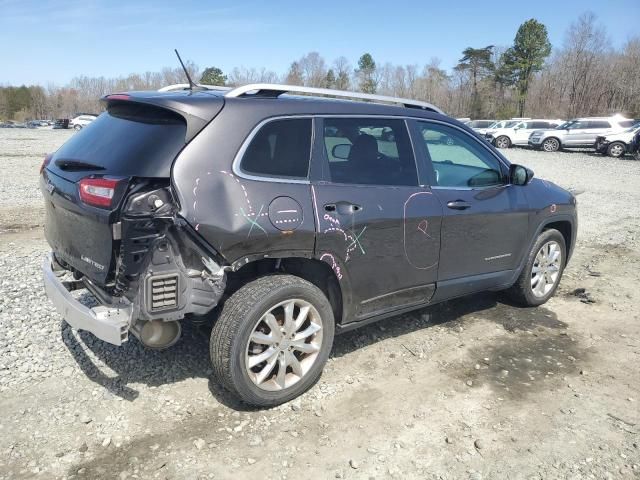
(186, 72)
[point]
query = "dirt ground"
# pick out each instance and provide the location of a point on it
(474, 388)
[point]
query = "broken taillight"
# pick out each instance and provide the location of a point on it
(98, 192)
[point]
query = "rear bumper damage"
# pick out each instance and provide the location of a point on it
(170, 287)
(160, 272)
(109, 323)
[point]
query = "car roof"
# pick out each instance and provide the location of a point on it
(614, 118)
(198, 102)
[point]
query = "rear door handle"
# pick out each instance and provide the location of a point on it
(458, 205)
(343, 208)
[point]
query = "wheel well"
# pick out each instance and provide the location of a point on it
(315, 271)
(564, 227)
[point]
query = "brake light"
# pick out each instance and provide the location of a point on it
(118, 96)
(98, 192)
(45, 162)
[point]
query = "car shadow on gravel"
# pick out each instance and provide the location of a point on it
(452, 314)
(118, 369)
(536, 349)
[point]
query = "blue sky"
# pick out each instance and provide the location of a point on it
(51, 41)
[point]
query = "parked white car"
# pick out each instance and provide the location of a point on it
(81, 121)
(480, 125)
(516, 132)
(578, 133)
(616, 144)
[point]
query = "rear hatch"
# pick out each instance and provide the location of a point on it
(86, 181)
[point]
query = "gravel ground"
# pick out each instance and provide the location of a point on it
(469, 389)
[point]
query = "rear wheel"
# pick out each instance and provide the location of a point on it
(616, 149)
(542, 272)
(551, 145)
(503, 141)
(272, 339)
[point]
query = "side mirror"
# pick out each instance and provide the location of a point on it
(341, 151)
(519, 175)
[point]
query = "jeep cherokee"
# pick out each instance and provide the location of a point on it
(286, 219)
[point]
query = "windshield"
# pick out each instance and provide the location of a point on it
(633, 128)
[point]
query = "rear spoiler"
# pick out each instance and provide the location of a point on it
(197, 108)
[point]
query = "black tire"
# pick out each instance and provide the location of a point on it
(551, 144)
(521, 292)
(232, 330)
(616, 149)
(77, 127)
(502, 142)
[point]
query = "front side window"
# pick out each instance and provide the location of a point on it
(281, 148)
(369, 151)
(459, 161)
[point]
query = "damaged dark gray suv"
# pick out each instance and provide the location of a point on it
(285, 219)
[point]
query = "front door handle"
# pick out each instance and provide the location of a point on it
(343, 208)
(458, 205)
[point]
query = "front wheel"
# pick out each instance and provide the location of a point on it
(542, 272)
(272, 339)
(77, 127)
(551, 145)
(503, 142)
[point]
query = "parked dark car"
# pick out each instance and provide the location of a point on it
(285, 220)
(634, 146)
(61, 123)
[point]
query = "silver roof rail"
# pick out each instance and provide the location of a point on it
(185, 86)
(276, 90)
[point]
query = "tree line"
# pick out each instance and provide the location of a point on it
(585, 75)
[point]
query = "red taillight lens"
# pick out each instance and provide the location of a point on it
(118, 96)
(45, 162)
(98, 192)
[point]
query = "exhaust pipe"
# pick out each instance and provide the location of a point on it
(157, 334)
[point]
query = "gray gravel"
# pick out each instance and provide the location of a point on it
(423, 395)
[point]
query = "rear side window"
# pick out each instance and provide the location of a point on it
(369, 151)
(129, 139)
(281, 148)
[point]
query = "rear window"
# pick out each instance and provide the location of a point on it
(280, 149)
(129, 139)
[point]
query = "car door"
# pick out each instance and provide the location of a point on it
(521, 133)
(575, 133)
(377, 227)
(485, 219)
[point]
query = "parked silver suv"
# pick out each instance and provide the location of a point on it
(577, 133)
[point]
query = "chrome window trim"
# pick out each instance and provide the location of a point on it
(235, 167)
